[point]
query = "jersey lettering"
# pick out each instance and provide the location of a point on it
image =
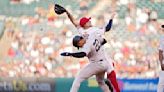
(97, 45)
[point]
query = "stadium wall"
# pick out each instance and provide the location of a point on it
(64, 85)
(126, 85)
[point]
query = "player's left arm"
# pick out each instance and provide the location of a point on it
(76, 54)
(84, 51)
(109, 25)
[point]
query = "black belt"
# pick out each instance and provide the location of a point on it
(98, 60)
(101, 60)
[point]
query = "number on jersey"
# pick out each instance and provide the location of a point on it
(97, 45)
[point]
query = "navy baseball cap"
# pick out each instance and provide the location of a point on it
(76, 40)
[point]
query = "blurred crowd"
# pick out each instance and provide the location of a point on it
(36, 42)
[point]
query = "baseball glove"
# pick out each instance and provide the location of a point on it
(59, 9)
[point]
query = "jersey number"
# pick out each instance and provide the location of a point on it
(97, 45)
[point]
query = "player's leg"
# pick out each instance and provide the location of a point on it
(101, 82)
(76, 83)
(111, 75)
(85, 73)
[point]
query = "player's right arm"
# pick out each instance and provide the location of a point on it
(72, 19)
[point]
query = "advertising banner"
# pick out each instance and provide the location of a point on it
(26, 85)
(138, 85)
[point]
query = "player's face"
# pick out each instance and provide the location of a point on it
(81, 42)
(88, 24)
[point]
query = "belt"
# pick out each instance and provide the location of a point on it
(101, 60)
(98, 60)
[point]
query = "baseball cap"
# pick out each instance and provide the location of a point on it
(83, 21)
(76, 40)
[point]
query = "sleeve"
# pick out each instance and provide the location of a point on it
(161, 44)
(109, 25)
(78, 54)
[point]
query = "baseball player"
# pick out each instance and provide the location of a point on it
(85, 29)
(98, 65)
(161, 59)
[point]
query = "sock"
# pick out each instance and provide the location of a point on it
(112, 77)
